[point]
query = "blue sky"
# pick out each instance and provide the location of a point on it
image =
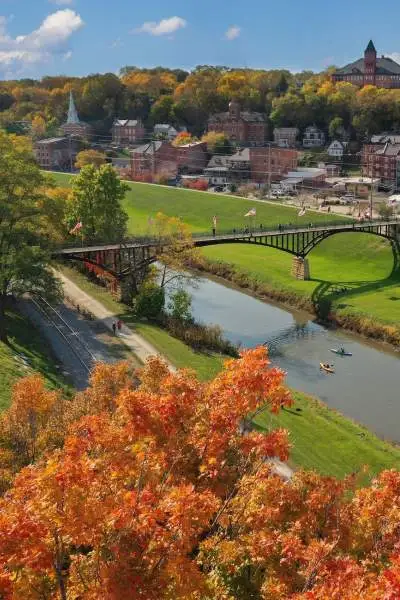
(78, 37)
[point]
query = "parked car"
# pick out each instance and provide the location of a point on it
(347, 199)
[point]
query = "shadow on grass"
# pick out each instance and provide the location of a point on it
(329, 291)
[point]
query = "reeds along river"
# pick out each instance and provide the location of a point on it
(365, 387)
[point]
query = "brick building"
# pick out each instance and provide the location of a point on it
(127, 131)
(380, 161)
(161, 158)
(56, 154)
(242, 127)
(383, 72)
(271, 164)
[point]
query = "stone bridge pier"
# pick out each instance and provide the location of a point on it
(301, 268)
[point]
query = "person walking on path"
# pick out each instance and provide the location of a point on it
(114, 328)
(119, 324)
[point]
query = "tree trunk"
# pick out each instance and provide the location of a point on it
(3, 329)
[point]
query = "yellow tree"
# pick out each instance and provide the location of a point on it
(176, 248)
(90, 157)
(38, 126)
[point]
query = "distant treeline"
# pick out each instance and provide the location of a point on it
(188, 99)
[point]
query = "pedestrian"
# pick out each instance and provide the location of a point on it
(114, 328)
(119, 324)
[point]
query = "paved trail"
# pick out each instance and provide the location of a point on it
(135, 342)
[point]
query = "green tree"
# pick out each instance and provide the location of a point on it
(180, 305)
(162, 110)
(335, 127)
(96, 203)
(24, 244)
(150, 300)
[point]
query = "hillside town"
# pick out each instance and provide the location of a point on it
(247, 151)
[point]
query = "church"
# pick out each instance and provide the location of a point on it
(382, 72)
(74, 126)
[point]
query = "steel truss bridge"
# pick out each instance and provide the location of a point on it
(134, 256)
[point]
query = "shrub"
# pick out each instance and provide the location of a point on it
(150, 301)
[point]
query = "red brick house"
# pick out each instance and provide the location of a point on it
(56, 153)
(243, 127)
(191, 158)
(161, 158)
(382, 72)
(127, 131)
(380, 161)
(271, 160)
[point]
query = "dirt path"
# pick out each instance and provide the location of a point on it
(136, 343)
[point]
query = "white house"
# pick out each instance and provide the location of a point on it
(313, 137)
(165, 131)
(336, 149)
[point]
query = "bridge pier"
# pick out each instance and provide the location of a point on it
(301, 268)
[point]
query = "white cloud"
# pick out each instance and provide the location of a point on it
(67, 55)
(233, 32)
(62, 2)
(163, 27)
(39, 45)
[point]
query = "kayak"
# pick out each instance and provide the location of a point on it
(336, 351)
(325, 368)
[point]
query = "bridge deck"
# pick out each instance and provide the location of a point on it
(204, 240)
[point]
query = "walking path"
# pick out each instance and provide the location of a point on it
(139, 346)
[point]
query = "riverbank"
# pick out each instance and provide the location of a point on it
(323, 439)
(354, 282)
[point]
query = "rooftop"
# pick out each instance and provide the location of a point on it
(149, 148)
(126, 122)
(53, 140)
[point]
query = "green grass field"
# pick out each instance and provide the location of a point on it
(26, 353)
(198, 208)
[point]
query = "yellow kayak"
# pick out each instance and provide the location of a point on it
(326, 368)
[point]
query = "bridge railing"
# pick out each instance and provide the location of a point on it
(236, 231)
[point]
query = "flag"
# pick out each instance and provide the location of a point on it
(77, 227)
(302, 211)
(251, 213)
(214, 221)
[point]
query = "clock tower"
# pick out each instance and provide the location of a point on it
(370, 64)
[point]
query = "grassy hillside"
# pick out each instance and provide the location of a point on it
(198, 208)
(26, 353)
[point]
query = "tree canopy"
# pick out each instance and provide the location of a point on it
(145, 486)
(25, 238)
(188, 99)
(95, 202)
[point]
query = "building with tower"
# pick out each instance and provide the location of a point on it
(242, 127)
(381, 71)
(74, 126)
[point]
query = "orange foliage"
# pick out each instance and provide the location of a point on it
(196, 184)
(157, 495)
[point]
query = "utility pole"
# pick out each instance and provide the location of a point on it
(269, 170)
(370, 193)
(153, 159)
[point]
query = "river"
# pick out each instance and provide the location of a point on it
(365, 387)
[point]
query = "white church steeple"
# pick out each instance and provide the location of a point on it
(73, 118)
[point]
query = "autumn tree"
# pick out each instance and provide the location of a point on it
(184, 137)
(217, 143)
(24, 242)
(38, 126)
(156, 493)
(176, 249)
(96, 198)
(89, 157)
